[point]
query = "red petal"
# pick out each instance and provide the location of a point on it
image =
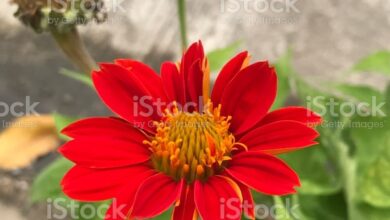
(122, 91)
(86, 184)
(105, 152)
(280, 137)
(264, 173)
(291, 113)
(249, 96)
(108, 127)
(218, 198)
(124, 200)
(186, 208)
(228, 72)
(150, 79)
(248, 203)
(194, 53)
(155, 196)
(173, 83)
(195, 84)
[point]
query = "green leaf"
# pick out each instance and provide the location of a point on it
(164, 216)
(325, 104)
(387, 99)
(323, 207)
(360, 93)
(378, 62)
(311, 207)
(370, 136)
(313, 97)
(46, 187)
(288, 208)
(281, 212)
(317, 170)
(375, 181)
(61, 122)
(92, 211)
(283, 69)
(372, 146)
(362, 211)
(77, 76)
(262, 199)
(47, 184)
(217, 58)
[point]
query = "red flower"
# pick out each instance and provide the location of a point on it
(194, 157)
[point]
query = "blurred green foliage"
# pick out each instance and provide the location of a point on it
(50, 178)
(217, 58)
(87, 80)
(61, 121)
(378, 62)
(283, 68)
(348, 171)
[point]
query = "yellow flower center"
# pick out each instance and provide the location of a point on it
(192, 145)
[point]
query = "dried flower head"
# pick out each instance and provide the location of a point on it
(59, 15)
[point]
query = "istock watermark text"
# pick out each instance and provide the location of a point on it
(335, 108)
(19, 108)
(259, 6)
(229, 208)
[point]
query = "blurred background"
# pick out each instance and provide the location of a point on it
(326, 38)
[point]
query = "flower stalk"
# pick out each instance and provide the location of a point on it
(181, 4)
(61, 19)
(73, 47)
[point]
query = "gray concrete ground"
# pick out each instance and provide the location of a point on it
(327, 37)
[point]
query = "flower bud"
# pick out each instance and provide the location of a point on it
(59, 15)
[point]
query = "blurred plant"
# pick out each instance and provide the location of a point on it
(60, 18)
(218, 57)
(77, 76)
(347, 177)
(378, 62)
(181, 8)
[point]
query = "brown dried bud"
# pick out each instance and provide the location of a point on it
(60, 15)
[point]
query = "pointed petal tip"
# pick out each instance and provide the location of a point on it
(245, 167)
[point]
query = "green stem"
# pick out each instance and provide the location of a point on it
(348, 168)
(73, 47)
(181, 4)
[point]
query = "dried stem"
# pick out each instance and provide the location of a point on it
(73, 47)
